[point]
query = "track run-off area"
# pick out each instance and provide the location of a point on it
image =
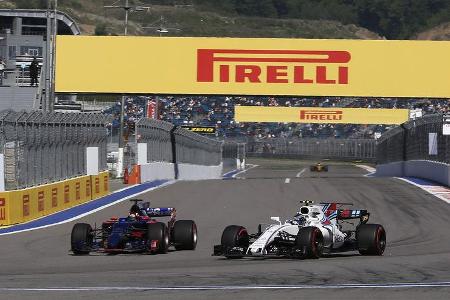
(416, 264)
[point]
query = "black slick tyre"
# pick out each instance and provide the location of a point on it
(81, 239)
(185, 235)
(158, 232)
(371, 239)
(310, 241)
(235, 236)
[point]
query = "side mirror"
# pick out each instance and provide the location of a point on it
(276, 219)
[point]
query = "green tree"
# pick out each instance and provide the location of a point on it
(260, 8)
(100, 29)
(30, 4)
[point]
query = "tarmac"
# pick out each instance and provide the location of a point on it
(416, 263)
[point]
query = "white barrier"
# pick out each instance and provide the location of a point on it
(156, 171)
(92, 163)
(164, 170)
(198, 172)
(394, 169)
(431, 170)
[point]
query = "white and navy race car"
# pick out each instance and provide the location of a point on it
(313, 231)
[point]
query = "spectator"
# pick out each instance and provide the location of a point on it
(34, 70)
(218, 111)
(2, 70)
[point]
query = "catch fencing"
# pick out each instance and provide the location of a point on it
(411, 141)
(41, 147)
(168, 143)
(311, 148)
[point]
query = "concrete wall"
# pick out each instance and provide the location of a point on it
(157, 170)
(434, 171)
(163, 170)
(198, 172)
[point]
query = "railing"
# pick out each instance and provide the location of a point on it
(412, 141)
(43, 147)
(312, 148)
(168, 143)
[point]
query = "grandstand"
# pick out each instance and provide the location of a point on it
(219, 111)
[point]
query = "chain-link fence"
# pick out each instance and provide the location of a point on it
(168, 143)
(42, 147)
(411, 141)
(311, 148)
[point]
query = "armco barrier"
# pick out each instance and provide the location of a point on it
(28, 204)
(431, 170)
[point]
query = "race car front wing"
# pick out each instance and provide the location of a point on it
(293, 252)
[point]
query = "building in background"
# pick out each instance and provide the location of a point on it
(23, 36)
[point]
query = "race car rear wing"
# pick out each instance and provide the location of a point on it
(348, 214)
(160, 211)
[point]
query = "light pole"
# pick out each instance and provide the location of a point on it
(50, 51)
(160, 27)
(127, 9)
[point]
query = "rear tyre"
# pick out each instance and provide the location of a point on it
(81, 239)
(325, 168)
(235, 236)
(310, 241)
(185, 235)
(158, 232)
(312, 168)
(371, 239)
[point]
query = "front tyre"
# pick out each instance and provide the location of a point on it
(81, 239)
(371, 239)
(158, 232)
(310, 241)
(185, 235)
(235, 236)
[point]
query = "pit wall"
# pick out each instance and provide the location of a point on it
(431, 170)
(162, 170)
(20, 206)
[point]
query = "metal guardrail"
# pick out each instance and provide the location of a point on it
(156, 134)
(312, 148)
(410, 141)
(168, 143)
(42, 147)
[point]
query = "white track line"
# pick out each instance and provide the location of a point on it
(300, 173)
(233, 287)
(287, 180)
(243, 171)
(424, 188)
(369, 169)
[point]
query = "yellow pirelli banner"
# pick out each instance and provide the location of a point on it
(233, 66)
(333, 115)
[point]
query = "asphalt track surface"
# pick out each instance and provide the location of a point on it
(38, 264)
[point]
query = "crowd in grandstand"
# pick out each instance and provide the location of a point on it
(134, 110)
(218, 111)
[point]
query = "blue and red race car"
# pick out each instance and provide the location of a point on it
(140, 232)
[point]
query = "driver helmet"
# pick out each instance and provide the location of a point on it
(299, 219)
